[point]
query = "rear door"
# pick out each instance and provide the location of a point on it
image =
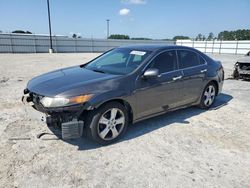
(194, 69)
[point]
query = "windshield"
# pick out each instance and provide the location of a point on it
(118, 61)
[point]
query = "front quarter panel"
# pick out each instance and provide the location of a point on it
(122, 90)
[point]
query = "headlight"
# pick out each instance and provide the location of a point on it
(60, 101)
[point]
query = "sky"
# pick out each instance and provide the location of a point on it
(158, 19)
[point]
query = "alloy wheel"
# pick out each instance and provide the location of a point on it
(209, 95)
(111, 124)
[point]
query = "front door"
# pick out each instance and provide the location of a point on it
(155, 95)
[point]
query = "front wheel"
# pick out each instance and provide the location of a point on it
(107, 124)
(208, 96)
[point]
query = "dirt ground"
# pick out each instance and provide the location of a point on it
(186, 148)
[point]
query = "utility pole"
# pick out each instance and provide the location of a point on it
(107, 28)
(50, 37)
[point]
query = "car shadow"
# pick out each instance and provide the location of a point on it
(146, 126)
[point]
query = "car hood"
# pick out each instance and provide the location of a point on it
(71, 81)
(245, 59)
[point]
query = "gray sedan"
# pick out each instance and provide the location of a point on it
(123, 86)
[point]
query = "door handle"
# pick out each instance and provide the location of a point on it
(204, 70)
(177, 78)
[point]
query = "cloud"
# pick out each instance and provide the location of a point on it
(124, 12)
(135, 2)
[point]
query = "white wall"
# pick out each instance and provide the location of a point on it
(226, 47)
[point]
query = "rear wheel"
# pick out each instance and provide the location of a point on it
(208, 96)
(107, 123)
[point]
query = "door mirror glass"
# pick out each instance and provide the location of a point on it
(151, 73)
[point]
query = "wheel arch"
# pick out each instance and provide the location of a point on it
(123, 102)
(215, 82)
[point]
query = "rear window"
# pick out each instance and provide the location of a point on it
(188, 59)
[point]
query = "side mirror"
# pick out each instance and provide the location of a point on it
(151, 73)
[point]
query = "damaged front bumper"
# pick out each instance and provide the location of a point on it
(242, 71)
(68, 119)
(244, 74)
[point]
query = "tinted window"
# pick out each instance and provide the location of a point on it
(187, 59)
(165, 61)
(202, 60)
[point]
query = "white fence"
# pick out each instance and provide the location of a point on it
(19, 43)
(224, 47)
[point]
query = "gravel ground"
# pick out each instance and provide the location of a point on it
(185, 148)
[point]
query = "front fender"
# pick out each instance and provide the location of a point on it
(102, 98)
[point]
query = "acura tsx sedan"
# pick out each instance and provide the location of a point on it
(122, 86)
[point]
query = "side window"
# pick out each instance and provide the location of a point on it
(165, 61)
(202, 60)
(188, 59)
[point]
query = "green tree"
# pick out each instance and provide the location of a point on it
(199, 37)
(74, 36)
(210, 36)
(118, 36)
(240, 34)
(141, 38)
(167, 39)
(21, 32)
(225, 35)
(243, 34)
(180, 37)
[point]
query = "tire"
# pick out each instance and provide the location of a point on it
(208, 96)
(107, 124)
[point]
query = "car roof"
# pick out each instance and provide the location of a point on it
(154, 47)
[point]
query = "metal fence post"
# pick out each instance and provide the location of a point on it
(236, 50)
(55, 44)
(92, 44)
(11, 44)
(35, 43)
(75, 45)
(206, 46)
(220, 47)
(213, 47)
